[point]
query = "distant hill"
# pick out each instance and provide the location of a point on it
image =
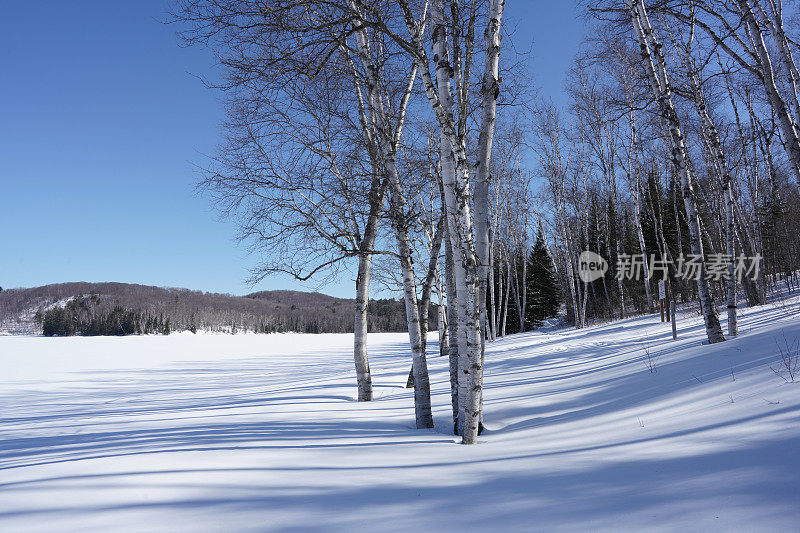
(263, 312)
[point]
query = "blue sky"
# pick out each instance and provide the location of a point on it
(101, 121)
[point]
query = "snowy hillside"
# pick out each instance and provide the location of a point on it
(255, 433)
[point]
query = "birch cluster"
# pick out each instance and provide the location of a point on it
(386, 140)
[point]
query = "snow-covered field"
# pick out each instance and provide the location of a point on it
(261, 433)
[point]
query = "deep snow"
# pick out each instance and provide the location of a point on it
(260, 432)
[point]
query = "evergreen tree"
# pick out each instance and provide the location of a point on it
(544, 296)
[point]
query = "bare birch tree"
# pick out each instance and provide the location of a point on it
(655, 66)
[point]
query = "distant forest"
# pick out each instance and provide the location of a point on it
(121, 309)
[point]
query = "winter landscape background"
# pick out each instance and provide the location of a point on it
(458, 265)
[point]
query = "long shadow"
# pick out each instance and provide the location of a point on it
(636, 386)
(32, 451)
(741, 483)
(189, 395)
(592, 492)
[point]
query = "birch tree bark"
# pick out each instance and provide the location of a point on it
(662, 92)
(422, 394)
(363, 376)
(490, 89)
(710, 136)
(776, 27)
(789, 126)
(452, 319)
(387, 139)
(427, 290)
(507, 295)
(751, 243)
(455, 177)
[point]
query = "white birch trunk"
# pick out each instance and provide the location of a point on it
(363, 376)
(422, 393)
(776, 27)
(637, 221)
(490, 88)
(492, 299)
(711, 137)
(618, 247)
(571, 280)
(457, 202)
(663, 95)
(387, 139)
(452, 319)
(524, 290)
(507, 297)
(789, 128)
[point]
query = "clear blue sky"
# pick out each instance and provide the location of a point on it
(101, 120)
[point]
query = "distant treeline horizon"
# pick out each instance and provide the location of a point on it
(112, 308)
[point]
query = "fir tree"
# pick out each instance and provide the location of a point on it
(544, 297)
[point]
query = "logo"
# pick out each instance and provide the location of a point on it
(714, 267)
(591, 266)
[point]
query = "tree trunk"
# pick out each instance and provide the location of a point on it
(791, 136)
(386, 139)
(492, 300)
(524, 290)
(663, 94)
(507, 297)
(490, 88)
(363, 376)
(422, 393)
(455, 177)
(570, 276)
(711, 137)
(452, 320)
(427, 290)
(784, 49)
(637, 220)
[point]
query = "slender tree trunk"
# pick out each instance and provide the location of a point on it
(776, 28)
(490, 88)
(363, 376)
(714, 146)
(452, 319)
(455, 176)
(422, 392)
(597, 244)
(430, 278)
(524, 292)
(637, 220)
(441, 321)
(618, 245)
(515, 288)
(749, 243)
(585, 284)
(663, 94)
(492, 299)
(730, 245)
(570, 275)
(508, 295)
(791, 136)
(427, 290)
(386, 139)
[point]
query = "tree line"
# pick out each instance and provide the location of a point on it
(84, 308)
(77, 317)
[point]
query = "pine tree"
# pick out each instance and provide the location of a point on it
(544, 297)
